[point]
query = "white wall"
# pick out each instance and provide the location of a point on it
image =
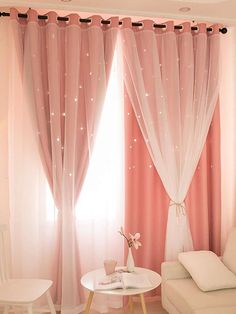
(228, 130)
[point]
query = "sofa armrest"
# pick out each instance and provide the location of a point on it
(173, 270)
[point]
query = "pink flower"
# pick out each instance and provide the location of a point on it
(134, 240)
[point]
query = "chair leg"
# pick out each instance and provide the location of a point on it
(6, 309)
(50, 303)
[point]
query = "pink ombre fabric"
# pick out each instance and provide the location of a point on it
(204, 195)
(70, 65)
(171, 78)
(146, 199)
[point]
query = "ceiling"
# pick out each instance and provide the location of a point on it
(222, 11)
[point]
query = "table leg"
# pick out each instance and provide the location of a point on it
(143, 303)
(89, 302)
(131, 305)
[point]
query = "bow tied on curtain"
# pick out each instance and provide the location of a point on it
(69, 64)
(179, 208)
(171, 77)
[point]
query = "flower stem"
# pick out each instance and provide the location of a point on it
(129, 241)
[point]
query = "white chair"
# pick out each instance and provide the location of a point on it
(20, 293)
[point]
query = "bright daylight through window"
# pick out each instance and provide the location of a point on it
(102, 191)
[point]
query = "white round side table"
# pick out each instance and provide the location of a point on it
(89, 279)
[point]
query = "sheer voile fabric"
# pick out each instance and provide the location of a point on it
(172, 81)
(70, 65)
(146, 197)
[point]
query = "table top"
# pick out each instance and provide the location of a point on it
(88, 280)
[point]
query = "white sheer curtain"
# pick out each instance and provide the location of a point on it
(34, 219)
(69, 66)
(172, 81)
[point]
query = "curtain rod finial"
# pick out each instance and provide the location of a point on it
(4, 14)
(223, 30)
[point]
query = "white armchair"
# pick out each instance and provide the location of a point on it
(181, 294)
(20, 293)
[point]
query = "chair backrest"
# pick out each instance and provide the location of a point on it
(4, 269)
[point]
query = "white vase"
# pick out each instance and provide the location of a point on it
(130, 261)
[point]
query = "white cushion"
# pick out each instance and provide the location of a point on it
(207, 270)
(229, 256)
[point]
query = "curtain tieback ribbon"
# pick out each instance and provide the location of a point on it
(179, 207)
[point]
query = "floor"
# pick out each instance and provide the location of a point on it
(153, 307)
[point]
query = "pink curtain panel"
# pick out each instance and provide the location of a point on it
(70, 65)
(146, 200)
(171, 78)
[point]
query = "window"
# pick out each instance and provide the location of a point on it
(100, 198)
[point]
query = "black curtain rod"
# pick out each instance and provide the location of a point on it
(223, 30)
